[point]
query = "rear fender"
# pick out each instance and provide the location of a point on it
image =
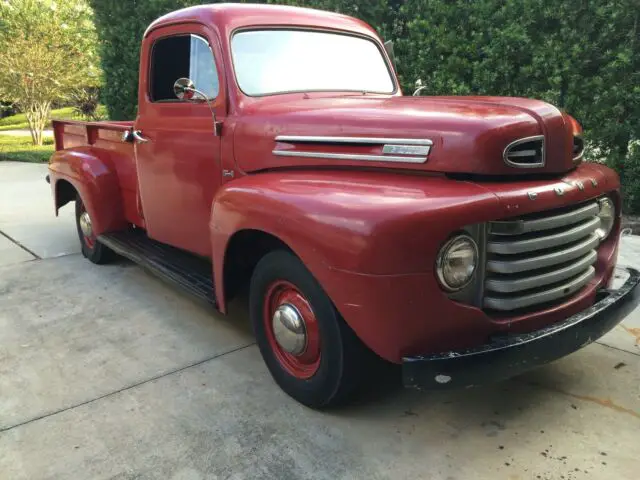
(92, 175)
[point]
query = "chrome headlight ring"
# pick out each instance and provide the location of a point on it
(607, 216)
(457, 262)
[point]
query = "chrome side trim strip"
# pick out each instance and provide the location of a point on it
(509, 247)
(516, 227)
(353, 140)
(349, 156)
(512, 285)
(546, 260)
(564, 290)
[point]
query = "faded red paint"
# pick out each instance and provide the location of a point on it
(368, 233)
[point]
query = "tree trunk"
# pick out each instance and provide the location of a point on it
(37, 116)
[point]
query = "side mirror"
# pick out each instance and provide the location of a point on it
(419, 87)
(388, 46)
(184, 89)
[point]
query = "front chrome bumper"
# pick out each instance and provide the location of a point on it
(510, 355)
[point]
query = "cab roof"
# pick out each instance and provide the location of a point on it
(228, 17)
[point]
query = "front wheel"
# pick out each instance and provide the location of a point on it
(310, 351)
(93, 250)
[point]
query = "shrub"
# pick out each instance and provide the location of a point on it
(121, 26)
(85, 103)
(121, 35)
(631, 179)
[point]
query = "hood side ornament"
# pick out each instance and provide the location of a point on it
(400, 150)
(525, 152)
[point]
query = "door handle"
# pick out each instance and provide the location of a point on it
(138, 137)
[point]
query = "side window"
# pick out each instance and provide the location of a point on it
(182, 56)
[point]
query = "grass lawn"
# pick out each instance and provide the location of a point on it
(19, 121)
(20, 149)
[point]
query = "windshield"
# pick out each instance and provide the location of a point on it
(278, 61)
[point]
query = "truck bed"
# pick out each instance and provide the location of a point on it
(106, 136)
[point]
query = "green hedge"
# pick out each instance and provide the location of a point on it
(120, 25)
(582, 56)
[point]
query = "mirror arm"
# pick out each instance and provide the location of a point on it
(418, 90)
(217, 126)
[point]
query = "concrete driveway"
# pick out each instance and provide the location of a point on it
(105, 372)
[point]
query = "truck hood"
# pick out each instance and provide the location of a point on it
(463, 134)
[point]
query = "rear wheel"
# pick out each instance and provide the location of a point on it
(310, 351)
(95, 251)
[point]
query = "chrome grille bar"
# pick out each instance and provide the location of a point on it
(563, 290)
(510, 285)
(520, 226)
(540, 258)
(537, 242)
(546, 260)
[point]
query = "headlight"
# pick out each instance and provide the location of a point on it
(456, 262)
(607, 216)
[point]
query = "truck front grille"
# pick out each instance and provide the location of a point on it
(540, 258)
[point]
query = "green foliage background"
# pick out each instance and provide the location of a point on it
(583, 56)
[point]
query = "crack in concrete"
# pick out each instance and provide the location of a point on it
(124, 389)
(605, 402)
(637, 354)
(11, 239)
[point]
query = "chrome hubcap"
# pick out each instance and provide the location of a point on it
(85, 224)
(289, 329)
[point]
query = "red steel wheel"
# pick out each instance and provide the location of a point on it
(84, 220)
(310, 351)
(292, 329)
(92, 249)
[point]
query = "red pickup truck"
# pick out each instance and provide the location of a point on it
(460, 237)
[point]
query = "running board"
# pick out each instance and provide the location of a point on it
(191, 273)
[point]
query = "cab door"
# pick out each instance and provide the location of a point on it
(177, 149)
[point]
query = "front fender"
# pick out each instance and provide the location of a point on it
(371, 239)
(365, 222)
(371, 223)
(91, 173)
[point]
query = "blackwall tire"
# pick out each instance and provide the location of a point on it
(333, 363)
(91, 248)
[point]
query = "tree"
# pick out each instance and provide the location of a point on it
(47, 51)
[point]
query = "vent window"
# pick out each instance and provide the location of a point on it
(525, 153)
